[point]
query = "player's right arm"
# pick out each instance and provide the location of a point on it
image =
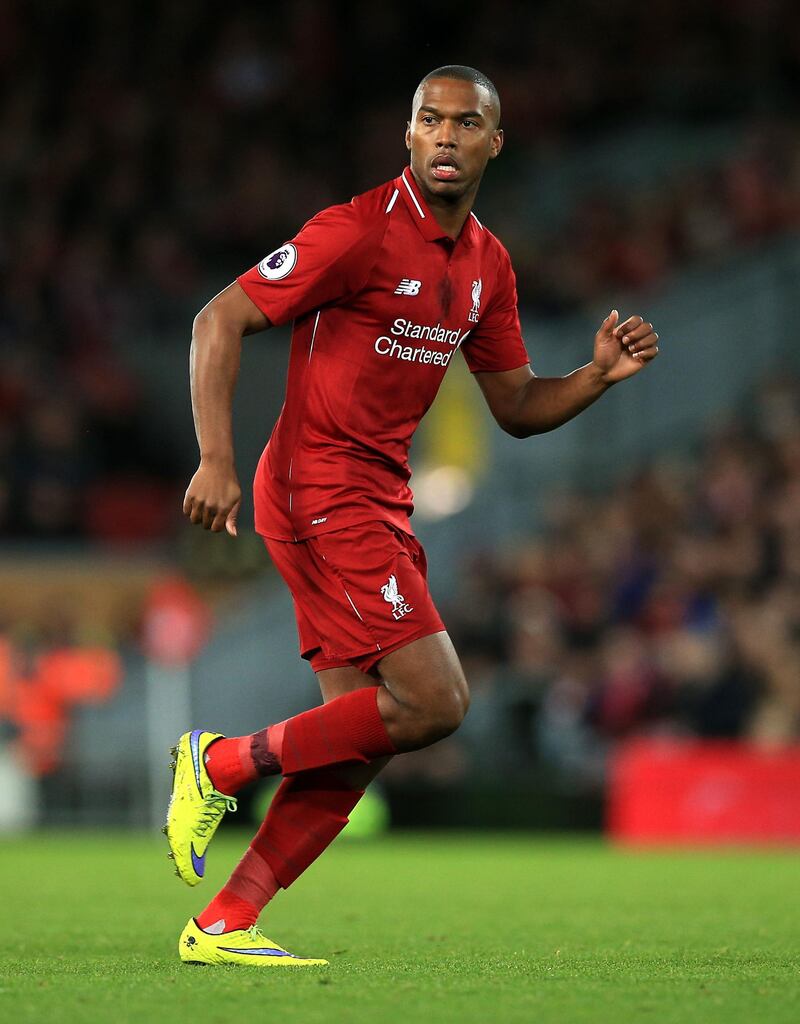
(330, 257)
(214, 493)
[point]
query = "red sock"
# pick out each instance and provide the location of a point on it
(249, 889)
(348, 728)
(230, 764)
(306, 814)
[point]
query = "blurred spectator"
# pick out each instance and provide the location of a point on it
(669, 605)
(45, 673)
(152, 151)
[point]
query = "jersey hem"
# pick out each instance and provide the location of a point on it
(298, 538)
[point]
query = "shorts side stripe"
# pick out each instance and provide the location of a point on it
(340, 577)
(349, 598)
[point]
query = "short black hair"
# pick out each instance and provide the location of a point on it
(465, 74)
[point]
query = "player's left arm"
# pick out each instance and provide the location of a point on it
(524, 404)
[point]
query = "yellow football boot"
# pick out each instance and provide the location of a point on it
(195, 807)
(243, 946)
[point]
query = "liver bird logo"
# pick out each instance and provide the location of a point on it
(390, 593)
(477, 288)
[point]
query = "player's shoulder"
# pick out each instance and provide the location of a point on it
(376, 203)
(494, 251)
(364, 211)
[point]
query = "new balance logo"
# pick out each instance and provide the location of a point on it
(408, 287)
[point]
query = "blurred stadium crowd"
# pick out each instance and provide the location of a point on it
(164, 148)
(669, 605)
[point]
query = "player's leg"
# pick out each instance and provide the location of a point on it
(422, 695)
(424, 699)
(311, 808)
(306, 814)
(335, 682)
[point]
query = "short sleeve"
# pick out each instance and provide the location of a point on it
(329, 259)
(496, 343)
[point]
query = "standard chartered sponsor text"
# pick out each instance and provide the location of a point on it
(426, 332)
(401, 328)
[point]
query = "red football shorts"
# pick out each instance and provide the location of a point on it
(359, 593)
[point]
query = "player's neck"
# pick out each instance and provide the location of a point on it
(450, 217)
(450, 214)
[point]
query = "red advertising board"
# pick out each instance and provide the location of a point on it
(693, 792)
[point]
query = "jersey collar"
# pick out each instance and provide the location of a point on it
(429, 227)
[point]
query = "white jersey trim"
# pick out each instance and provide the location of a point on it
(413, 197)
(476, 220)
(392, 201)
(313, 335)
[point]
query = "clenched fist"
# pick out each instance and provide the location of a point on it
(213, 497)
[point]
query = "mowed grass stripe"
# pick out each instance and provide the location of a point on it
(454, 928)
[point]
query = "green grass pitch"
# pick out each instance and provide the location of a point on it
(418, 928)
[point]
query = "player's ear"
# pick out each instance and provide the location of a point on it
(408, 135)
(496, 144)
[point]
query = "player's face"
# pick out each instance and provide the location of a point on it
(452, 135)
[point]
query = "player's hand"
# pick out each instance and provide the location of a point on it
(623, 349)
(213, 497)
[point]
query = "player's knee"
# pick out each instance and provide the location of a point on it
(458, 704)
(447, 710)
(429, 703)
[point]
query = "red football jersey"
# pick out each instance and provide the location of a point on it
(381, 300)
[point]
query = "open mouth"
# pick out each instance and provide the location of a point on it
(445, 168)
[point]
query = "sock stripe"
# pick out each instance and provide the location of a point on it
(349, 729)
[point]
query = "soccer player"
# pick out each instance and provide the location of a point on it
(382, 291)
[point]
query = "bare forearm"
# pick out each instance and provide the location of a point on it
(545, 403)
(213, 371)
